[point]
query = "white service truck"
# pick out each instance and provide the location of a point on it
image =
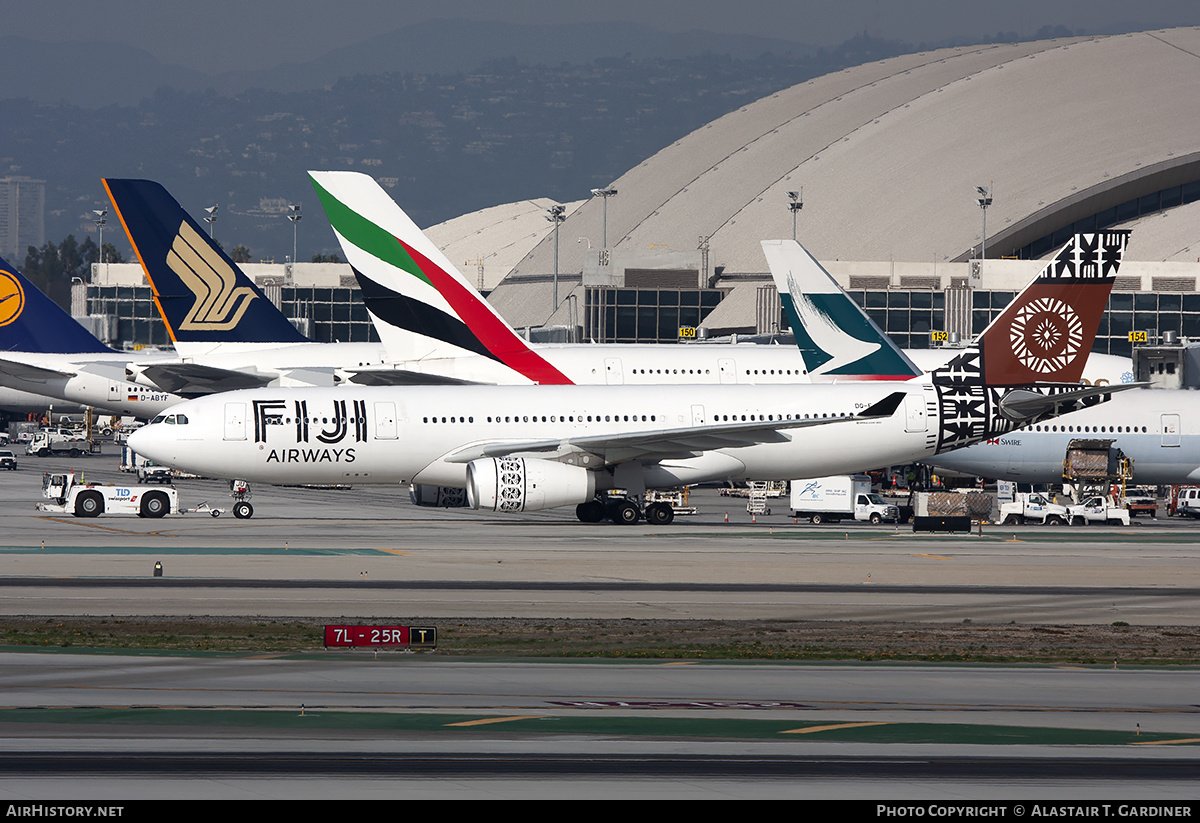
(58, 441)
(1099, 508)
(840, 497)
(71, 496)
(1033, 506)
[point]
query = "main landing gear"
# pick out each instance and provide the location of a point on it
(624, 511)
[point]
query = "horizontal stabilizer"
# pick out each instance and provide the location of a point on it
(1023, 404)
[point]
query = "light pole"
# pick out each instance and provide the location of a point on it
(555, 216)
(604, 193)
(211, 218)
(295, 218)
(984, 200)
(101, 221)
(797, 203)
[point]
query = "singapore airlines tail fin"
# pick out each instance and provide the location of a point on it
(32, 322)
(1028, 362)
(420, 303)
(836, 338)
(203, 296)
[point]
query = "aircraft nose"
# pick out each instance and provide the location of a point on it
(148, 442)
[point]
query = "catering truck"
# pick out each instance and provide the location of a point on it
(841, 497)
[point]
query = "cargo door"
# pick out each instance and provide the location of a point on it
(235, 421)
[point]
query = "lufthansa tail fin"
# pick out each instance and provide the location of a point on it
(32, 322)
(420, 303)
(835, 336)
(1040, 342)
(202, 295)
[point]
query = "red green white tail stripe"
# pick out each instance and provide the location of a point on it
(422, 305)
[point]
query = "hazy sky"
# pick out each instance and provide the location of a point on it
(216, 35)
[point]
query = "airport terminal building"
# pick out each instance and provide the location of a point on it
(887, 159)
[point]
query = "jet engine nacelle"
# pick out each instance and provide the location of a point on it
(442, 497)
(514, 484)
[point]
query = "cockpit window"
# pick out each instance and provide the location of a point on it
(158, 419)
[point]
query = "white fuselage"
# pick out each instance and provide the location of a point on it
(1159, 429)
(427, 434)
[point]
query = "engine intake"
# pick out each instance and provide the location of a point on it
(516, 484)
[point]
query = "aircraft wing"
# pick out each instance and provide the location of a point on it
(194, 379)
(31, 373)
(664, 444)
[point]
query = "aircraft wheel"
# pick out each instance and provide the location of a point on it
(590, 512)
(624, 512)
(155, 504)
(89, 504)
(660, 514)
(242, 510)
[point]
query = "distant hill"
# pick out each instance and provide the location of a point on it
(93, 75)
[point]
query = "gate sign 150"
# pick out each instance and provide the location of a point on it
(380, 636)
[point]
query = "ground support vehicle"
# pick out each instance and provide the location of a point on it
(1099, 508)
(840, 497)
(70, 495)
(1184, 501)
(1142, 500)
(757, 503)
(1033, 506)
(677, 499)
(59, 442)
(150, 472)
(8, 460)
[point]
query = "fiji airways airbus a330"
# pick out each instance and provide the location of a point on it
(519, 448)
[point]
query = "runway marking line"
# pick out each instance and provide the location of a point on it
(931, 556)
(395, 551)
(488, 720)
(830, 728)
(1166, 742)
(109, 528)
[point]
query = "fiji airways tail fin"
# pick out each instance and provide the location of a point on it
(32, 322)
(202, 295)
(420, 303)
(1042, 338)
(836, 338)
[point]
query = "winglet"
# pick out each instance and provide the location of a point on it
(835, 336)
(201, 294)
(410, 288)
(32, 322)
